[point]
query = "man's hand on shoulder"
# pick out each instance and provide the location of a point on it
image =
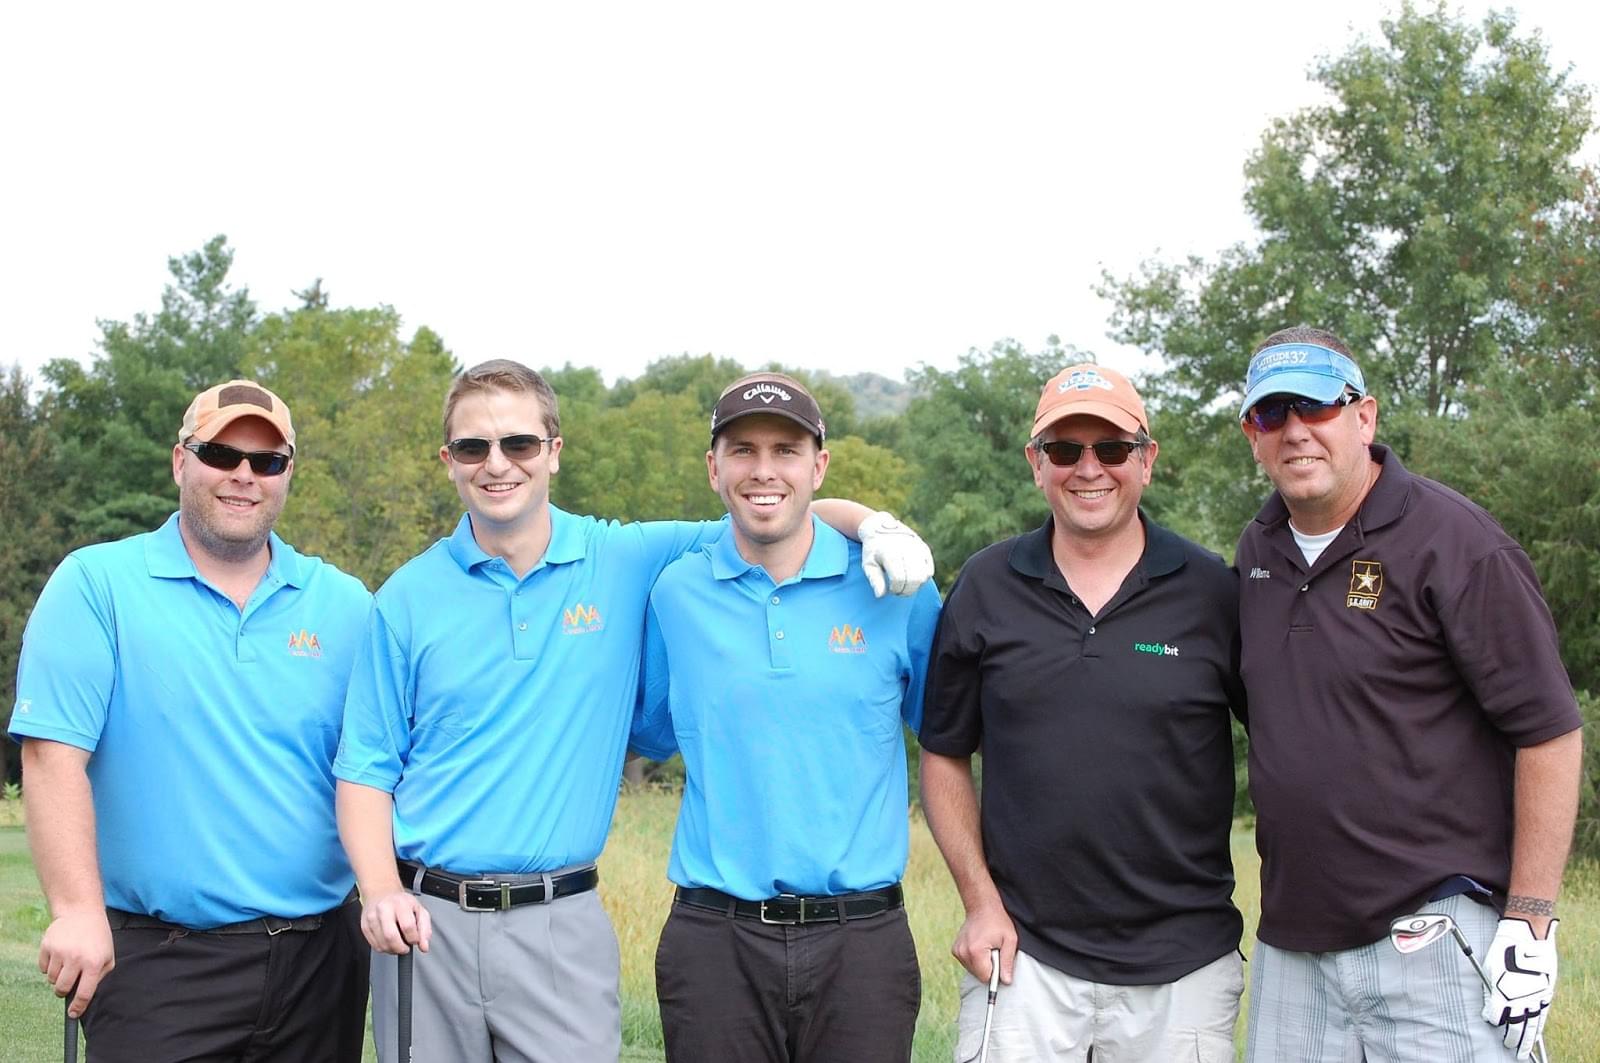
(396, 921)
(1521, 970)
(76, 950)
(893, 556)
(985, 929)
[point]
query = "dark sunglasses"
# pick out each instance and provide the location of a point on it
(1272, 412)
(222, 456)
(470, 450)
(1107, 451)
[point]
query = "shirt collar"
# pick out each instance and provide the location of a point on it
(1032, 556)
(566, 542)
(829, 555)
(167, 558)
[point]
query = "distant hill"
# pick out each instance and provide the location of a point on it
(875, 395)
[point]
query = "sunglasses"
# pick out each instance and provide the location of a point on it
(470, 450)
(1107, 451)
(222, 456)
(1272, 413)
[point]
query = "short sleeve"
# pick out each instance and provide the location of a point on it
(68, 665)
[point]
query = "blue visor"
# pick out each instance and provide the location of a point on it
(1306, 369)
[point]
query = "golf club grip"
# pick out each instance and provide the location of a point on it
(403, 1004)
(69, 1047)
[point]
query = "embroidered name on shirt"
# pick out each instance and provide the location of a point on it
(847, 639)
(1366, 584)
(1160, 649)
(581, 619)
(304, 643)
(1260, 573)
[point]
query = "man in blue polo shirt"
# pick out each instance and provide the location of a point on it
(785, 683)
(179, 699)
(484, 735)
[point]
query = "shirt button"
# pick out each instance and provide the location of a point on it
(774, 599)
(778, 636)
(522, 627)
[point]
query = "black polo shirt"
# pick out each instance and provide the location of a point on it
(1389, 686)
(1107, 761)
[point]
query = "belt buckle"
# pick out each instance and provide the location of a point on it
(467, 906)
(798, 920)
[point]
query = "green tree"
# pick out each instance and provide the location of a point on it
(33, 515)
(1394, 215)
(641, 461)
(971, 484)
(369, 490)
(118, 419)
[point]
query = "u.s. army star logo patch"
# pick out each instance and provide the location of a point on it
(1366, 584)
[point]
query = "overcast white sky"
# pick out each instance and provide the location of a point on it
(844, 186)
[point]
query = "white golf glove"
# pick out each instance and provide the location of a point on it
(1522, 972)
(893, 556)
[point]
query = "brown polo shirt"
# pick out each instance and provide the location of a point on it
(1389, 686)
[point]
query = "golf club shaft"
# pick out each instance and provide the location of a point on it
(994, 992)
(1466, 950)
(403, 1002)
(70, 1033)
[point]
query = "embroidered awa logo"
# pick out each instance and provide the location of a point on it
(1160, 649)
(847, 639)
(1366, 584)
(304, 643)
(580, 619)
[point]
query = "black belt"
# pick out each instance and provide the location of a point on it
(786, 909)
(271, 925)
(485, 893)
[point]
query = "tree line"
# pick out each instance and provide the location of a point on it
(1433, 211)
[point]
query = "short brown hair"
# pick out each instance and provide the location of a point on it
(1306, 334)
(502, 374)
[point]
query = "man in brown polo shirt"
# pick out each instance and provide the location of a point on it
(1415, 743)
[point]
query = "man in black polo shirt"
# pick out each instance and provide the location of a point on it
(1415, 741)
(1094, 663)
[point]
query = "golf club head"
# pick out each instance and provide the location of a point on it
(1413, 933)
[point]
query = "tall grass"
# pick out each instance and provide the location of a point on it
(636, 892)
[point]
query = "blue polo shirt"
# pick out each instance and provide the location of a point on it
(787, 702)
(496, 709)
(212, 729)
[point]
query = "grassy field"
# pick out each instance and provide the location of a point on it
(633, 871)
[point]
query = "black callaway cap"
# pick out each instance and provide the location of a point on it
(772, 393)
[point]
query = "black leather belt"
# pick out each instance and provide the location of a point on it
(270, 925)
(787, 909)
(485, 893)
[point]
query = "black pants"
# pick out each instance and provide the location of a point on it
(182, 996)
(737, 989)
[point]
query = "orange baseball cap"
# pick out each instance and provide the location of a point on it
(1093, 390)
(216, 408)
